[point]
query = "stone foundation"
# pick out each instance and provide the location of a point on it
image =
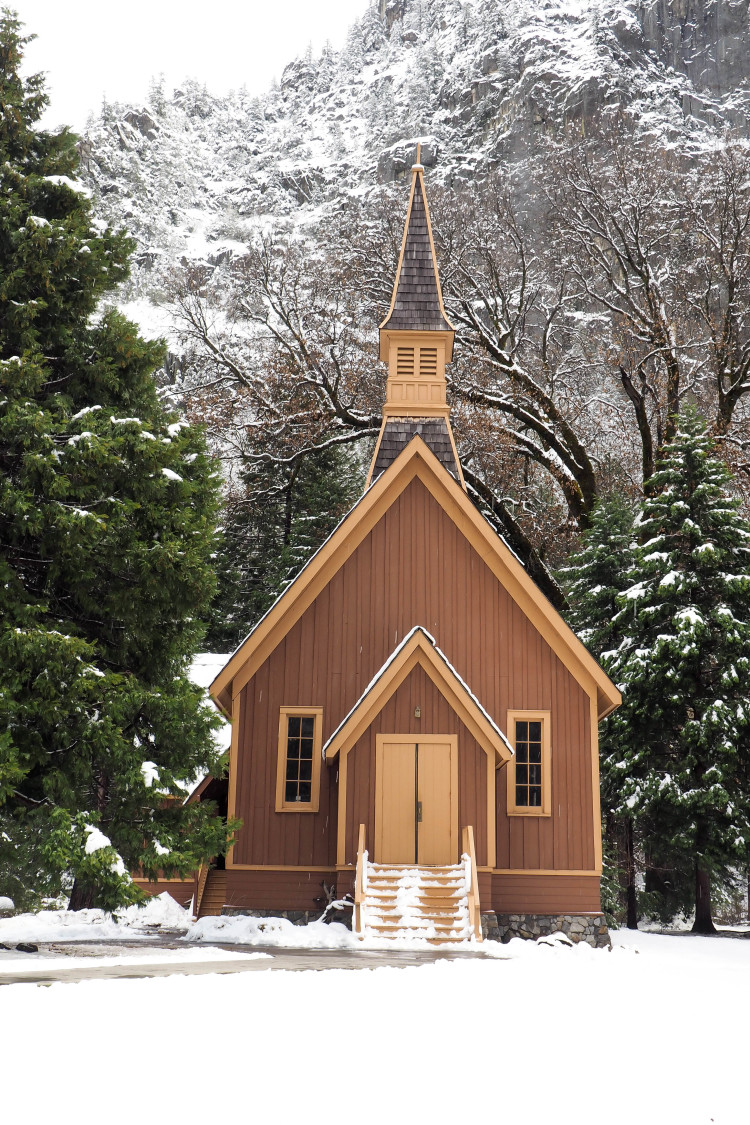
(591, 928)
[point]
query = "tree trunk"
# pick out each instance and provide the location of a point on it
(82, 897)
(632, 905)
(703, 922)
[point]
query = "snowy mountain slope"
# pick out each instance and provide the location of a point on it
(480, 81)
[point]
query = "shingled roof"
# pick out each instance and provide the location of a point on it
(417, 303)
(398, 432)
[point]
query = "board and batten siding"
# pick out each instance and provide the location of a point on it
(415, 567)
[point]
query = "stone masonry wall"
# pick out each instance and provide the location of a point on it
(591, 928)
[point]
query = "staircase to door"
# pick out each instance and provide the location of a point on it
(439, 904)
(212, 888)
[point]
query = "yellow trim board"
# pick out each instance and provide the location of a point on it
(595, 787)
(286, 713)
(542, 871)
(545, 809)
(330, 870)
(416, 461)
(233, 754)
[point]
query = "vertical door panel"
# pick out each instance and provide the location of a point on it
(435, 784)
(396, 801)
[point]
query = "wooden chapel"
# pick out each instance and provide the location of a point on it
(413, 699)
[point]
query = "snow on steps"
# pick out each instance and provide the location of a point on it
(429, 903)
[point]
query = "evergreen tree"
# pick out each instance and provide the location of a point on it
(273, 528)
(107, 506)
(593, 579)
(679, 758)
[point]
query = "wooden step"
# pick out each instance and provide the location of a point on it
(391, 874)
(457, 933)
(214, 894)
(417, 911)
(437, 889)
(420, 881)
(415, 866)
(431, 906)
(417, 902)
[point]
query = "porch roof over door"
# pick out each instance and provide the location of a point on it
(418, 648)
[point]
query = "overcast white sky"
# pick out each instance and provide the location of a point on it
(92, 48)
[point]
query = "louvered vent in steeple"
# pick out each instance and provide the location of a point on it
(405, 363)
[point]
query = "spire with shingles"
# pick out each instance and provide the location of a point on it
(417, 302)
(416, 341)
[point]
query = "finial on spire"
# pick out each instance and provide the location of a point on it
(418, 167)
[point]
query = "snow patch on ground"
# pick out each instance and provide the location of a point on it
(679, 999)
(160, 913)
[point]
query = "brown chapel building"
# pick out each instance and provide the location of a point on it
(413, 698)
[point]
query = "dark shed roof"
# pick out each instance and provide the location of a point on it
(417, 305)
(397, 434)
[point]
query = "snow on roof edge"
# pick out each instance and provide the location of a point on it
(384, 668)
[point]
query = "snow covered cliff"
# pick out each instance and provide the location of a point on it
(479, 81)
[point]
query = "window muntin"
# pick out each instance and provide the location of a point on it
(528, 744)
(299, 758)
(529, 776)
(299, 751)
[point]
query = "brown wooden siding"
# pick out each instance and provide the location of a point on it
(278, 890)
(544, 894)
(303, 890)
(414, 568)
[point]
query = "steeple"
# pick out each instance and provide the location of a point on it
(416, 341)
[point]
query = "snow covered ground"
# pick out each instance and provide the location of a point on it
(653, 1032)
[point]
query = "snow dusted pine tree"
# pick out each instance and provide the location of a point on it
(679, 762)
(593, 580)
(593, 577)
(107, 506)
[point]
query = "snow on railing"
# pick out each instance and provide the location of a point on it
(360, 884)
(469, 858)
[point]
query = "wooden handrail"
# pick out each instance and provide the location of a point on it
(475, 913)
(200, 887)
(360, 884)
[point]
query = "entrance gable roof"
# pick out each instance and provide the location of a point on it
(418, 649)
(416, 461)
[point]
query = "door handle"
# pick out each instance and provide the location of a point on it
(419, 812)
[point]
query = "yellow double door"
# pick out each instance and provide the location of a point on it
(416, 803)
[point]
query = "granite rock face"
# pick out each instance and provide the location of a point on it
(481, 83)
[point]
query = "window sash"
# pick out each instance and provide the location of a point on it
(529, 773)
(299, 754)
